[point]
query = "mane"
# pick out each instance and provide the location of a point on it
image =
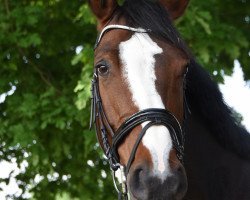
(203, 94)
(206, 100)
(151, 15)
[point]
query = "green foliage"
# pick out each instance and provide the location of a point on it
(45, 121)
(217, 33)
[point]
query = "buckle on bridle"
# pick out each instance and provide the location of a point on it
(121, 188)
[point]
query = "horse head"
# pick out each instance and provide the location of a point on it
(138, 94)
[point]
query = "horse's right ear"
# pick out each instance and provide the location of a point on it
(103, 10)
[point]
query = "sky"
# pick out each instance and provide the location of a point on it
(236, 94)
(12, 188)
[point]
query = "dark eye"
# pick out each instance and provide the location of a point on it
(103, 70)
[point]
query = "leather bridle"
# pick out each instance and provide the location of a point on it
(154, 116)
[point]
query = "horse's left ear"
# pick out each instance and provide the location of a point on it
(103, 10)
(175, 7)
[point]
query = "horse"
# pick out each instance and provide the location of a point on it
(150, 99)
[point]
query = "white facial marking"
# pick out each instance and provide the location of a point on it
(137, 56)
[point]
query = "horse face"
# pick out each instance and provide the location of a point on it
(137, 71)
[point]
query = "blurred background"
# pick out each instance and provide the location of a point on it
(46, 57)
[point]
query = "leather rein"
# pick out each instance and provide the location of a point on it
(153, 116)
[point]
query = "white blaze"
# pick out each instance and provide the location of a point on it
(137, 56)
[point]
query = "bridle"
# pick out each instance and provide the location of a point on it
(154, 116)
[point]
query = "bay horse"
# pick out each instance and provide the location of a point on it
(150, 99)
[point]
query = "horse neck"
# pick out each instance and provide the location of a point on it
(213, 172)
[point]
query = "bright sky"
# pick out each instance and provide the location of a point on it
(236, 94)
(12, 188)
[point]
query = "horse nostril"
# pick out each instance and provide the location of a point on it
(176, 183)
(137, 182)
(138, 175)
(182, 182)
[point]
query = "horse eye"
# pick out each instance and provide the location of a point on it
(103, 70)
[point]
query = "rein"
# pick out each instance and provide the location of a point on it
(153, 116)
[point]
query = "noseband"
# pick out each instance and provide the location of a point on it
(153, 116)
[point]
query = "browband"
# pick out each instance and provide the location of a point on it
(116, 26)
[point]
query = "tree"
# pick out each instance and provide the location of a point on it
(46, 59)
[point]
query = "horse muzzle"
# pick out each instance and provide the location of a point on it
(143, 185)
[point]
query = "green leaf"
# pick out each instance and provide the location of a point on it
(204, 24)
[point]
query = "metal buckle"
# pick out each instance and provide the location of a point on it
(121, 188)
